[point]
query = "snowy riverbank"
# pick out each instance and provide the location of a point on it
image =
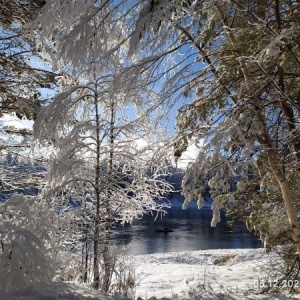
(197, 275)
(191, 275)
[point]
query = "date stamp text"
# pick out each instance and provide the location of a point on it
(260, 284)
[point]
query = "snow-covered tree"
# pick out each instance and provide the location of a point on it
(21, 77)
(245, 103)
(90, 134)
(98, 120)
(22, 80)
(28, 227)
(96, 156)
(23, 256)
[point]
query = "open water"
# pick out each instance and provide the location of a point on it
(191, 231)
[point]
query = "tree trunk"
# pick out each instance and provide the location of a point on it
(85, 277)
(107, 259)
(288, 201)
(85, 254)
(96, 260)
(97, 192)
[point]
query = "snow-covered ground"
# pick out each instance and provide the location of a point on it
(184, 275)
(194, 275)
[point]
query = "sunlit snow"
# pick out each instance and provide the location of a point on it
(193, 275)
(13, 121)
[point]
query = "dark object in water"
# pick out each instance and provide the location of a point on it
(164, 230)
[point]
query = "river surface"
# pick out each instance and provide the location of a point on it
(191, 231)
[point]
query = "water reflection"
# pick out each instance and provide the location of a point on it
(192, 231)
